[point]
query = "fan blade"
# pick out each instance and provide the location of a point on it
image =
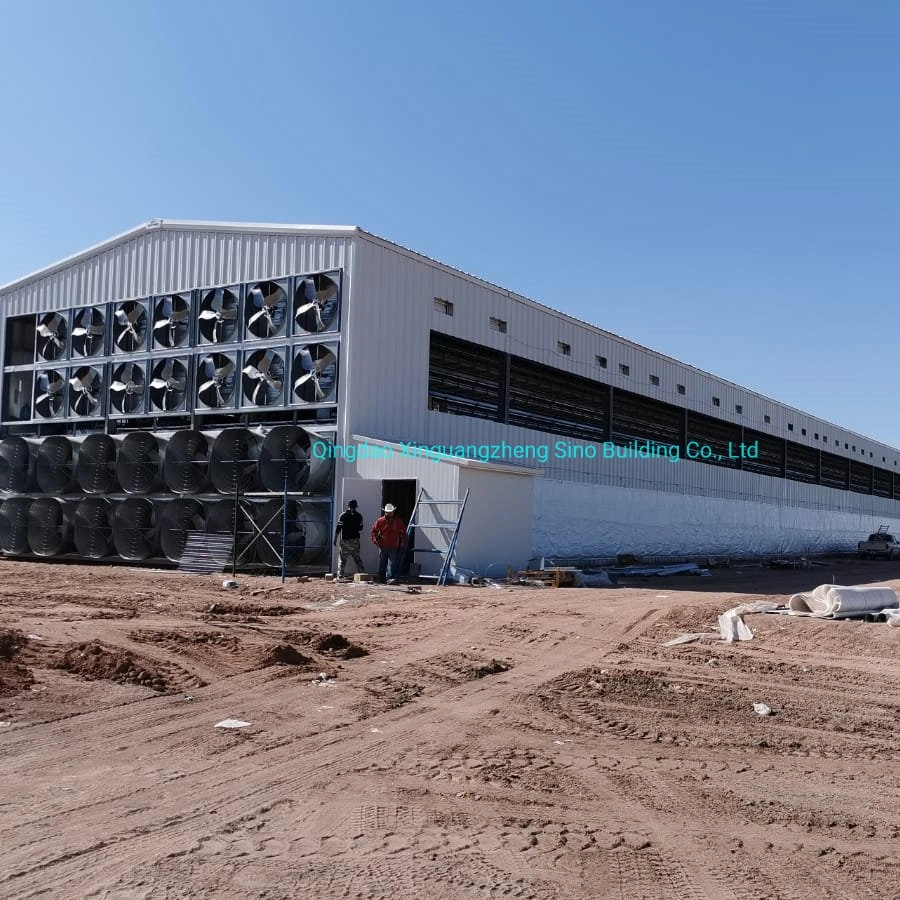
(208, 314)
(257, 296)
(253, 372)
(118, 386)
(161, 323)
(159, 384)
(230, 313)
(255, 397)
(179, 315)
(305, 309)
(225, 370)
(263, 313)
(178, 385)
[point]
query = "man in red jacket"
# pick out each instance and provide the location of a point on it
(389, 536)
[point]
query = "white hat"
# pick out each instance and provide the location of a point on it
(389, 507)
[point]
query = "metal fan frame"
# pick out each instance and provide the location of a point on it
(160, 363)
(246, 402)
(201, 339)
(335, 275)
(114, 309)
(65, 350)
(103, 310)
(62, 412)
(200, 379)
(140, 409)
(190, 320)
(96, 411)
(295, 350)
(251, 311)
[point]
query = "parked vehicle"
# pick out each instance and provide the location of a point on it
(879, 544)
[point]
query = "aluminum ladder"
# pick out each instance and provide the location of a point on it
(438, 526)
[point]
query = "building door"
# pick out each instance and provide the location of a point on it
(402, 493)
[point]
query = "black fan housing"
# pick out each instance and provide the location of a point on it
(266, 309)
(85, 391)
(49, 393)
(87, 335)
(218, 315)
(127, 389)
(317, 300)
(314, 376)
(168, 385)
(130, 326)
(52, 332)
(171, 320)
(263, 378)
(215, 381)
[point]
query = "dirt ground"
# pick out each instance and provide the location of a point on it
(463, 742)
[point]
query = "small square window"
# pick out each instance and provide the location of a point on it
(443, 306)
(716, 401)
(816, 435)
(884, 459)
(854, 448)
(601, 361)
(739, 409)
(654, 380)
(767, 420)
(437, 405)
(825, 438)
(790, 426)
(681, 389)
(837, 443)
(624, 370)
(498, 325)
(803, 432)
(564, 348)
(847, 446)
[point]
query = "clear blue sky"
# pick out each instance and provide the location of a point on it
(717, 180)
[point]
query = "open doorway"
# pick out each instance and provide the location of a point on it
(402, 493)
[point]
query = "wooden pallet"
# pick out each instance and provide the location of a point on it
(556, 578)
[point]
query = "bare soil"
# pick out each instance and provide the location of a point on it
(457, 743)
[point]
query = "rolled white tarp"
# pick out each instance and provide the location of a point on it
(835, 601)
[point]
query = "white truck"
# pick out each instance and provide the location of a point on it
(879, 544)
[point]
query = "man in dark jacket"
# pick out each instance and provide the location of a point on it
(348, 531)
(389, 535)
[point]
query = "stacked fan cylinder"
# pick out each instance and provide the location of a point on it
(138, 497)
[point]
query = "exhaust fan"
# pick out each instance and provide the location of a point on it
(266, 309)
(87, 335)
(168, 385)
(216, 380)
(317, 303)
(315, 373)
(52, 332)
(127, 389)
(49, 393)
(84, 398)
(130, 327)
(263, 378)
(218, 315)
(171, 321)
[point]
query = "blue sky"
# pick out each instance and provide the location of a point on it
(718, 181)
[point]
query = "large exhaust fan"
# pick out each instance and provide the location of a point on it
(171, 320)
(314, 377)
(233, 461)
(86, 391)
(17, 463)
(307, 533)
(215, 380)
(56, 465)
(266, 309)
(14, 525)
(92, 528)
(127, 389)
(317, 303)
(49, 394)
(87, 335)
(95, 466)
(263, 378)
(287, 463)
(52, 332)
(218, 315)
(168, 385)
(139, 464)
(135, 528)
(130, 327)
(186, 463)
(50, 526)
(179, 518)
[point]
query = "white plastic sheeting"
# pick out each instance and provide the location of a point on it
(835, 601)
(589, 521)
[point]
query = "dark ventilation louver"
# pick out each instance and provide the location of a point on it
(218, 315)
(171, 321)
(127, 389)
(168, 385)
(263, 378)
(215, 380)
(87, 335)
(49, 393)
(130, 327)
(266, 309)
(52, 332)
(317, 301)
(86, 388)
(314, 378)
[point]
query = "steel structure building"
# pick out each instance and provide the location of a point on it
(191, 377)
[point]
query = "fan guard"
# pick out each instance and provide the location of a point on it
(263, 378)
(168, 385)
(317, 301)
(127, 389)
(266, 309)
(314, 378)
(49, 393)
(130, 327)
(52, 332)
(87, 335)
(218, 315)
(215, 379)
(171, 320)
(86, 387)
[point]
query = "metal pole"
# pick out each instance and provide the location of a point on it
(234, 528)
(284, 531)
